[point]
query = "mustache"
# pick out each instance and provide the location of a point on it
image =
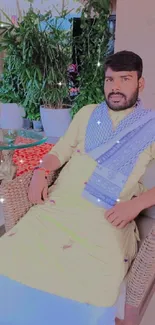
(119, 94)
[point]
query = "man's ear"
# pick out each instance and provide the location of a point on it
(141, 84)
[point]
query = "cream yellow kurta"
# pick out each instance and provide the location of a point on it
(66, 247)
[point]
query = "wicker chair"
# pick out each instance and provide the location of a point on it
(141, 276)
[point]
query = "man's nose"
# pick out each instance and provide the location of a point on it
(116, 86)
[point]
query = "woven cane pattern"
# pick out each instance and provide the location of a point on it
(15, 195)
(142, 273)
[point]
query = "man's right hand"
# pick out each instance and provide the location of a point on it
(38, 188)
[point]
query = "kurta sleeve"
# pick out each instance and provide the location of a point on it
(65, 146)
(148, 179)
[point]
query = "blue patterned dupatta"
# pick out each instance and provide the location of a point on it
(116, 152)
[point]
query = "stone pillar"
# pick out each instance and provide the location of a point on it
(135, 31)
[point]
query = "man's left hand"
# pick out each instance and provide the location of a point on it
(123, 213)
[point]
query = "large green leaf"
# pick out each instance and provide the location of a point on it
(6, 16)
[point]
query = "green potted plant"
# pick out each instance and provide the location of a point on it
(12, 112)
(91, 47)
(55, 54)
(47, 53)
(40, 50)
(34, 116)
(11, 92)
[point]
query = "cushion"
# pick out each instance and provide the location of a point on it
(27, 159)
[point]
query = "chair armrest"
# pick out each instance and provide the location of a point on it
(141, 279)
(15, 195)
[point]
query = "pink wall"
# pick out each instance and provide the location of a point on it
(135, 30)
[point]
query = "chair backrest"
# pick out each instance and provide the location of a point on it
(141, 278)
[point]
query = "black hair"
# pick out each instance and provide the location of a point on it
(125, 61)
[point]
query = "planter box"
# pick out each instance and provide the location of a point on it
(11, 116)
(55, 121)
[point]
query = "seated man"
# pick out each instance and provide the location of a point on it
(67, 258)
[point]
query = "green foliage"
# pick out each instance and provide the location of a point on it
(38, 52)
(92, 47)
(9, 92)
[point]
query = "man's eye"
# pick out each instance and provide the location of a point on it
(125, 79)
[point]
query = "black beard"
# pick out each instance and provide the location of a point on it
(128, 104)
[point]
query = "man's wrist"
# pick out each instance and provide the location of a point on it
(140, 203)
(40, 173)
(42, 169)
(146, 200)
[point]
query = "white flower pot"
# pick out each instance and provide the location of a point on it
(10, 116)
(55, 121)
(37, 126)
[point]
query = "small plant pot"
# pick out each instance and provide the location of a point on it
(37, 126)
(27, 124)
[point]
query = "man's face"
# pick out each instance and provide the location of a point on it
(122, 89)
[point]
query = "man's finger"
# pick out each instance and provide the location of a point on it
(45, 193)
(122, 225)
(37, 199)
(109, 212)
(117, 222)
(40, 201)
(30, 196)
(112, 217)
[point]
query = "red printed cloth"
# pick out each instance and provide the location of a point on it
(28, 158)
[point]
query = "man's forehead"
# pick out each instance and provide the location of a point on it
(111, 73)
